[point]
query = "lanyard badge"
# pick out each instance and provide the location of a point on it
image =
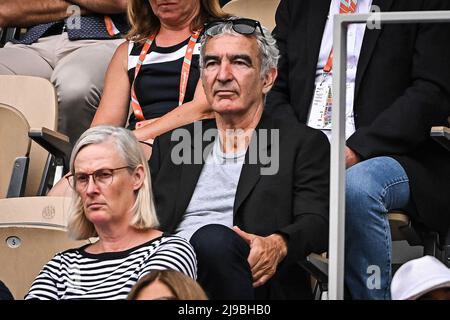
(184, 77)
(322, 103)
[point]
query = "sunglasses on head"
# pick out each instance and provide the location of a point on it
(243, 26)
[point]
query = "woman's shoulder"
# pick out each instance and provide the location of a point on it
(122, 52)
(173, 241)
(170, 238)
(70, 253)
(161, 242)
(174, 253)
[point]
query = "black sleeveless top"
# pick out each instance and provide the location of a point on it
(158, 82)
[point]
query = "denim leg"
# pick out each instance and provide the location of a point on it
(223, 270)
(373, 187)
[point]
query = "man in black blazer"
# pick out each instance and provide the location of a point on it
(254, 201)
(401, 88)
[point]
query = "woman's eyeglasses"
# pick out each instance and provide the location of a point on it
(102, 178)
(243, 26)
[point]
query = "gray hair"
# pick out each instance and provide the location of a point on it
(267, 45)
(129, 149)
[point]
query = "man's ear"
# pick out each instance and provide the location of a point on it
(269, 79)
(138, 177)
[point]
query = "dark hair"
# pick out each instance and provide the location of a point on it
(143, 22)
(181, 286)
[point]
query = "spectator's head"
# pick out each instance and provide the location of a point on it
(146, 17)
(238, 63)
(111, 183)
(166, 285)
(425, 278)
(252, 29)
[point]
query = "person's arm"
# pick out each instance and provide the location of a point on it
(188, 112)
(309, 230)
(114, 105)
(278, 102)
(162, 258)
(24, 13)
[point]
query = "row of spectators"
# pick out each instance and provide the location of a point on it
(248, 230)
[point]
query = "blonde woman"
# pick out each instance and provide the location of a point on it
(112, 200)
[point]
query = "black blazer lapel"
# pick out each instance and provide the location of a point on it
(251, 172)
(369, 42)
(190, 173)
(317, 19)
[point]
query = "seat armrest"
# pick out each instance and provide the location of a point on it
(317, 266)
(54, 142)
(442, 136)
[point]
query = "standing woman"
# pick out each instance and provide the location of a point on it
(156, 70)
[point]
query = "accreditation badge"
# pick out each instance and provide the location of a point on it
(320, 111)
(322, 104)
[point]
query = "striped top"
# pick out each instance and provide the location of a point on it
(157, 85)
(77, 274)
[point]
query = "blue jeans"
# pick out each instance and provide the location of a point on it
(373, 187)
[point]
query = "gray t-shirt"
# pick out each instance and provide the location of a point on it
(213, 198)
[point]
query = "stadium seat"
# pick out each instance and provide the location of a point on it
(261, 10)
(36, 99)
(15, 148)
(442, 136)
(32, 231)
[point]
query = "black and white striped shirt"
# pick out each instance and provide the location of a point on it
(77, 274)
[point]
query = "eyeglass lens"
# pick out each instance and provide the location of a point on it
(103, 177)
(244, 28)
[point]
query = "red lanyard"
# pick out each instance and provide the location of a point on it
(346, 6)
(183, 78)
